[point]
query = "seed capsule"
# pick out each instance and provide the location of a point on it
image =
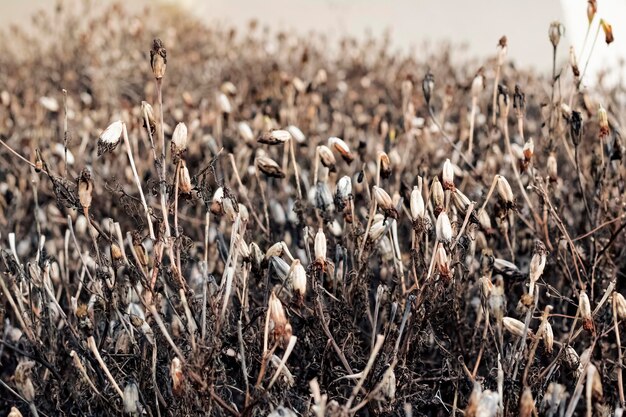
(548, 337)
(184, 180)
(296, 133)
(603, 121)
(417, 205)
(14, 413)
(537, 263)
(620, 305)
(245, 132)
(592, 8)
(478, 85)
(385, 165)
(149, 113)
(223, 104)
(344, 188)
(608, 31)
(526, 403)
(320, 245)
(179, 139)
(85, 188)
(297, 275)
(158, 58)
(515, 327)
(269, 167)
(217, 202)
(327, 158)
(442, 262)
(131, 398)
(176, 373)
(437, 195)
(502, 50)
(377, 229)
(274, 137)
(555, 32)
(504, 190)
(382, 199)
(110, 138)
(340, 146)
(448, 175)
(584, 308)
(529, 149)
(444, 228)
(552, 167)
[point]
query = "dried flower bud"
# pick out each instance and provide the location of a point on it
(526, 403)
(460, 200)
(448, 175)
(548, 337)
(342, 147)
(297, 275)
(277, 249)
(217, 202)
(555, 32)
(537, 263)
(418, 208)
(23, 381)
(179, 139)
(519, 101)
(131, 398)
(592, 8)
(158, 58)
(584, 308)
(377, 229)
(320, 245)
(503, 101)
(269, 167)
(442, 262)
(444, 228)
(437, 195)
(85, 188)
(184, 180)
(14, 413)
(110, 138)
(484, 220)
(515, 327)
(223, 104)
(148, 112)
(529, 149)
(603, 121)
(274, 137)
(385, 165)
(326, 157)
(384, 202)
(282, 328)
(428, 85)
(504, 190)
(502, 49)
(245, 132)
(38, 161)
(608, 31)
(176, 373)
(116, 252)
(552, 167)
(573, 62)
(594, 383)
(296, 133)
(478, 85)
(388, 385)
(344, 188)
(620, 305)
(576, 127)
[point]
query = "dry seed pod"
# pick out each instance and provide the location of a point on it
(184, 180)
(282, 328)
(515, 327)
(131, 398)
(274, 137)
(340, 146)
(269, 167)
(608, 31)
(245, 132)
(555, 32)
(460, 200)
(327, 158)
(176, 373)
(584, 308)
(14, 413)
(149, 113)
(488, 404)
(576, 127)
(526, 403)
(555, 395)
(504, 190)
(344, 188)
(85, 188)
(388, 385)
(442, 262)
(223, 104)
(437, 195)
(179, 139)
(22, 380)
(548, 337)
(217, 202)
(620, 305)
(551, 166)
(603, 121)
(385, 202)
(320, 245)
(296, 134)
(158, 58)
(478, 85)
(297, 275)
(417, 204)
(594, 382)
(448, 175)
(529, 149)
(377, 229)
(592, 8)
(277, 249)
(110, 138)
(537, 264)
(116, 252)
(503, 101)
(502, 49)
(385, 165)
(428, 86)
(444, 228)
(573, 62)
(496, 300)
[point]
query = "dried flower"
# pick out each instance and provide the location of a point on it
(417, 204)
(515, 327)
(110, 138)
(176, 373)
(340, 146)
(584, 308)
(576, 127)
(274, 137)
(537, 264)
(620, 305)
(526, 403)
(384, 202)
(502, 49)
(149, 114)
(297, 275)
(548, 337)
(592, 8)
(448, 175)
(320, 245)
(388, 385)
(23, 381)
(131, 398)
(441, 261)
(444, 228)
(504, 190)
(377, 229)
(478, 85)
(344, 188)
(529, 149)
(608, 31)
(282, 328)
(594, 383)
(437, 195)
(184, 180)
(85, 188)
(223, 104)
(573, 62)
(603, 121)
(269, 167)
(245, 132)
(14, 413)
(217, 202)
(552, 167)
(158, 58)
(555, 32)
(385, 165)
(179, 139)
(428, 85)
(326, 157)
(296, 133)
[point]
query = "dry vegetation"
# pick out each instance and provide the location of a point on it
(460, 250)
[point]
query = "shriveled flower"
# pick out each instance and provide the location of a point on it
(548, 337)
(326, 157)
(551, 166)
(148, 112)
(573, 62)
(555, 32)
(85, 188)
(158, 58)
(179, 139)
(448, 175)
(269, 167)
(428, 86)
(442, 262)
(537, 264)
(418, 208)
(110, 138)
(245, 132)
(377, 229)
(603, 121)
(320, 245)
(620, 305)
(529, 149)
(342, 147)
(296, 133)
(502, 50)
(385, 165)
(176, 373)
(514, 326)
(608, 31)
(297, 276)
(437, 195)
(274, 137)
(460, 200)
(444, 228)
(584, 308)
(131, 398)
(384, 202)
(223, 104)
(504, 190)
(184, 179)
(592, 9)
(478, 85)
(344, 188)
(217, 202)
(281, 329)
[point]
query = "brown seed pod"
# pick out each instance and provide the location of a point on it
(158, 58)
(85, 188)
(110, 138)
(269, 167)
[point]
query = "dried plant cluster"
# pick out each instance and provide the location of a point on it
(199, 221)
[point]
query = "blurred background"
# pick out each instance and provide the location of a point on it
(412, 25)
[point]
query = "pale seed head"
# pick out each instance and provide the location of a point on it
(269, 167)
(176, 373)
(320, 245)
(326, 157)
(555, 32)
(245, 132)
(385, 165)
(184, 179)
(342, 147)
(377, 229)
(274, 137)
(297, 274)
(417, 204)
(131, 398)
(448, 175)
(551, 165)
(504, 190)
(548, 337)
(603, 121)
(296, 133)
(437, 194)
(514, 326)
(444, 228)
(344, 188)
(158, 58)
(179, 139)
(584, 306)
(478, 85)
(110, 138)
(620, 305)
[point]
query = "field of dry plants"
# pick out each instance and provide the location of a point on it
(201, 221)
